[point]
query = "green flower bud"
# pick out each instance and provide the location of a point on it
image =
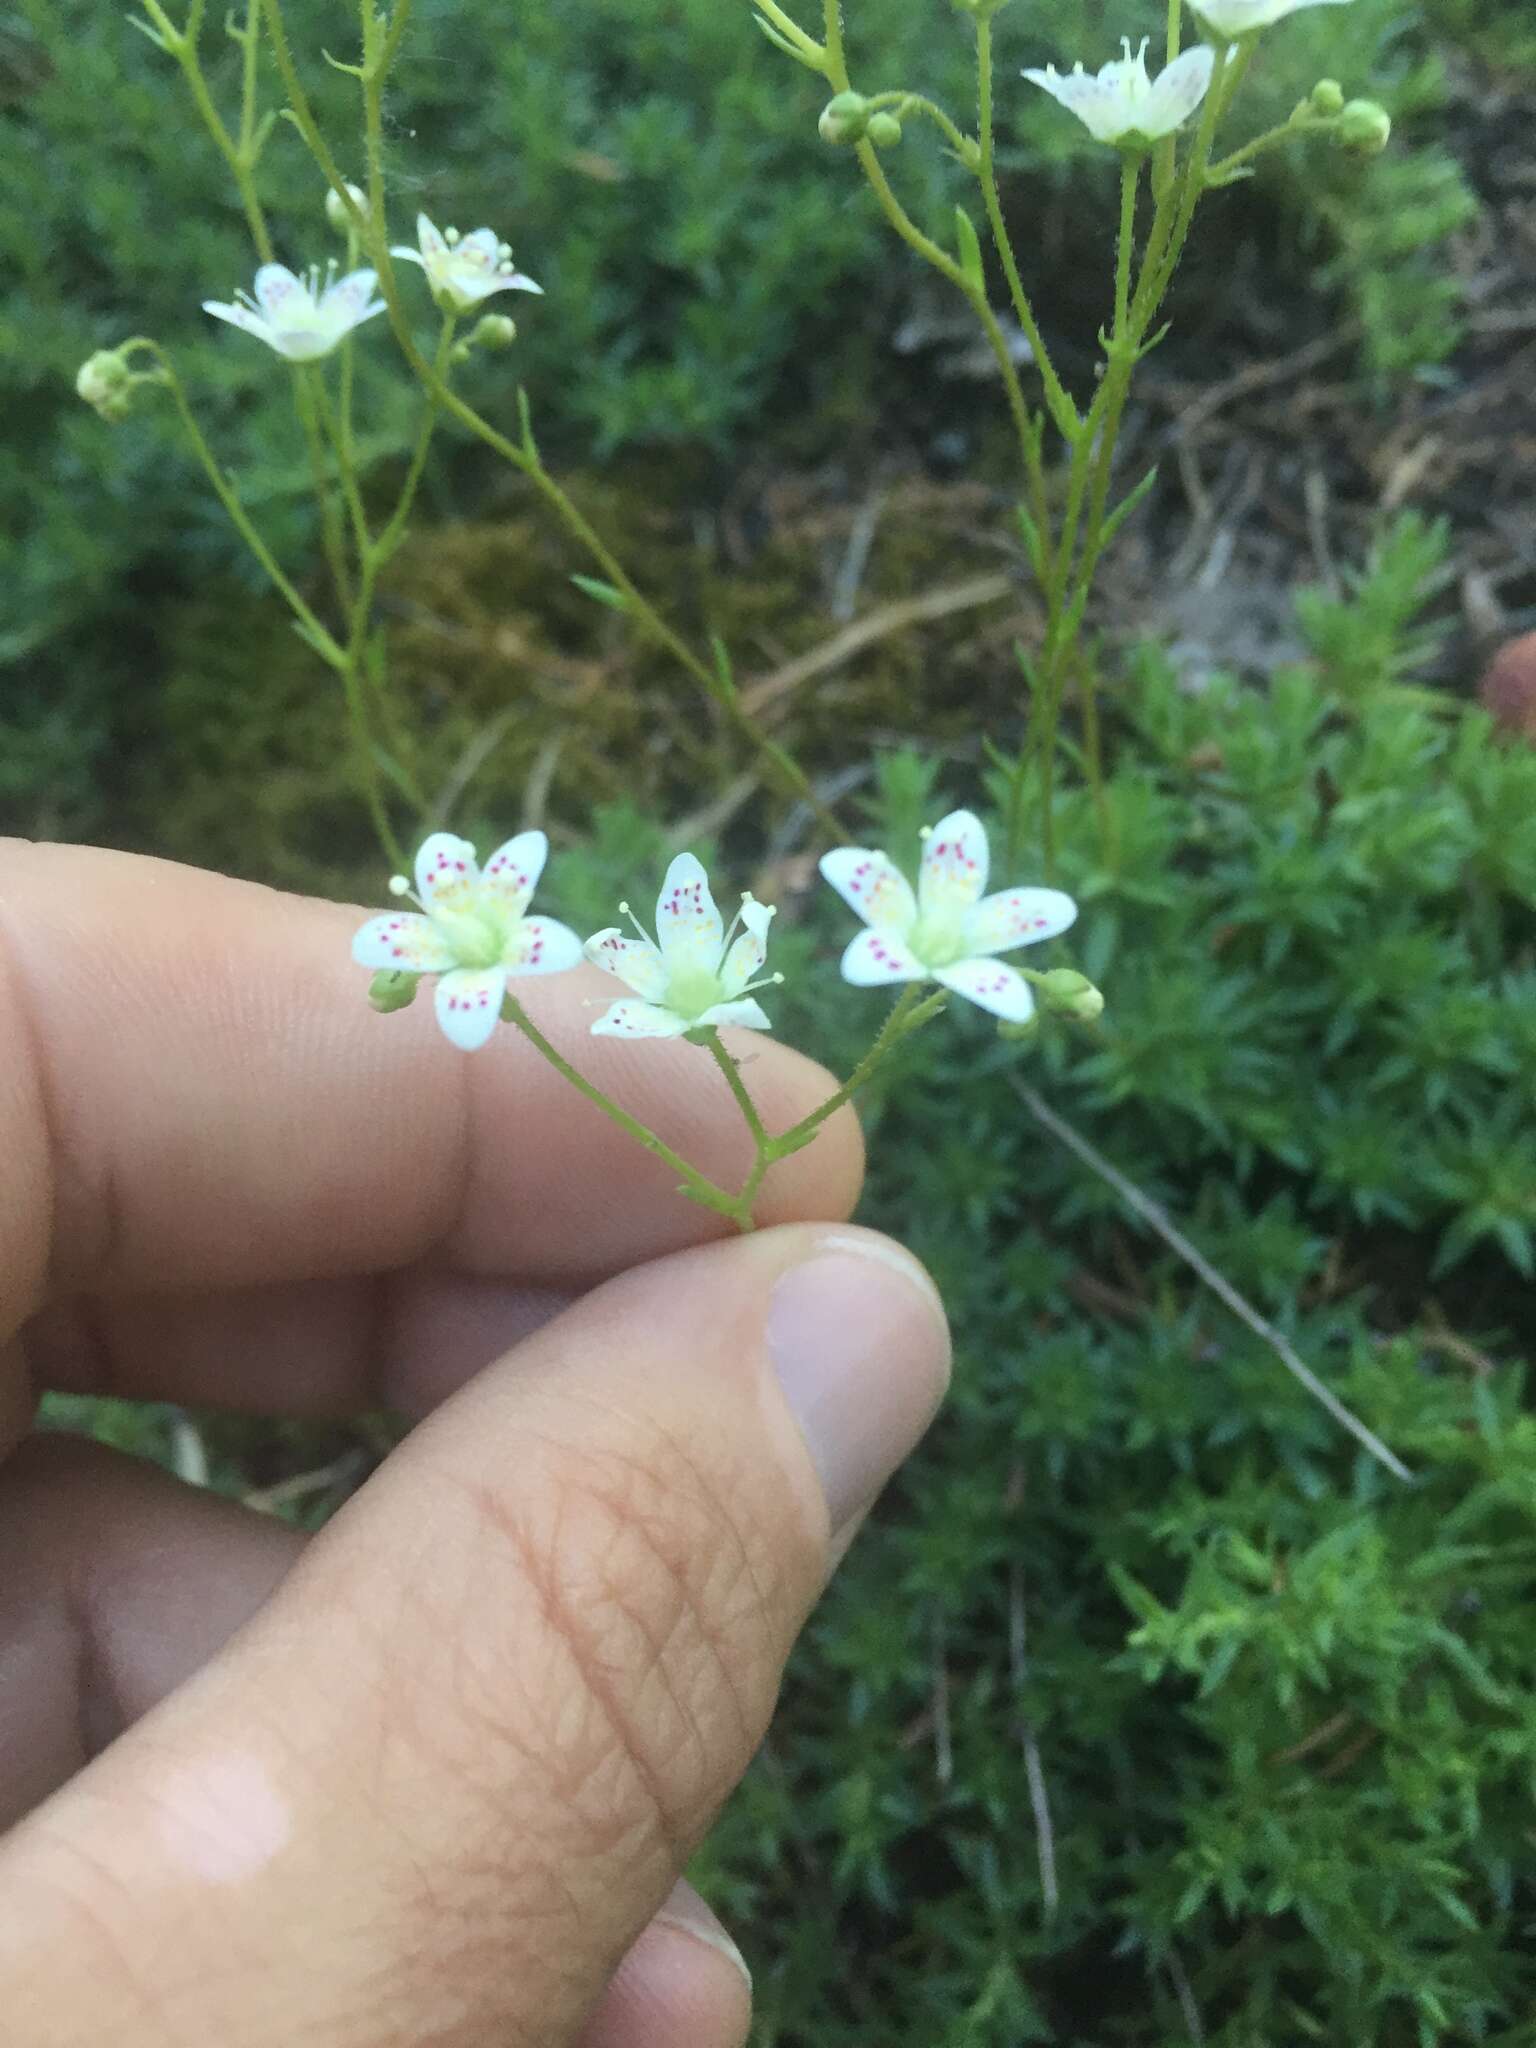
(105, 382)
(337, 214)
(493, 331)
(1364, 126)
(884, 130)
(1327, 97)
(1070, 994)
(392, 988)
(845, 118)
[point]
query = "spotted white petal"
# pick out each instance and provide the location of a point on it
(954, 866)
(405, 940)
(1236, 18)
(750, 951)
(874, 958)
(633, 1019)
(447, 873)
(992, 985)
(1017, 917)
(469, 1003)
(1178, 91)
(541, 945)
(688, 925)
(513, 870)
(636, 962)
(349, 300)
(745, 1014)
(241, 317)
(277, 289)
(870, 883)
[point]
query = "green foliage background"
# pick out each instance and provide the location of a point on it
(1278, 1706)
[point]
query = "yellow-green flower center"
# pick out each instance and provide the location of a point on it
(937, 941)
(693, 990)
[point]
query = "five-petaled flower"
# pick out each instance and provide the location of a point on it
(694, 973)
(464, 269)
(1122, 105)
(471, 930)
(1234, 18)
(949, 931)
(302, 317)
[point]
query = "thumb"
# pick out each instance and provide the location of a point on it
(438, 1786)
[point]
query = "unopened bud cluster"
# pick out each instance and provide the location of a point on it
(850, 117)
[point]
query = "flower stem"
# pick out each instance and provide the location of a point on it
(379, 49)
(694, 1183)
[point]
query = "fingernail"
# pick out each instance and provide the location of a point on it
(687, 1912)
(858, 1340)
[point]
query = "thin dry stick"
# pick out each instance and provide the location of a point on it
(943, 1738)
(1034, 1769)
(1184, 1991)
(879, 625)
(1158, 1220)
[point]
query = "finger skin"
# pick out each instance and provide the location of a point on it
(440, 1784)
(119, 1582)
(196, 1094)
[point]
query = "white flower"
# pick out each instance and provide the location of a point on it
(949, 931)
(302, 317)
(464, 269)
(1234, 18)
(471, 930)
(1122, 104)
(694, 973)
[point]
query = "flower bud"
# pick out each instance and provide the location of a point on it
(1327, 97)
(884, 130)
(845, 118)
(337, 214)
(105, 382)
(1070, 994)
(493, 331)
(1364, 126)
(392, 988)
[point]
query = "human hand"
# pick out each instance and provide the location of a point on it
(433, 1774)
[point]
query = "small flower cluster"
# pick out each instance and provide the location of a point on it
(471, 929)
(305, 317)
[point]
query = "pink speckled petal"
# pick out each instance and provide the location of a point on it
(447, 874)
(954, 869)
(871, 883)
(540, 945)
(513, 870)
(403, 939)
(992, 985)
(687, 923)
(1017, 917)
(744, 1014)
(630, 1019)
(469, 1004)
(276, 287)
(875, 958)
(635, 961)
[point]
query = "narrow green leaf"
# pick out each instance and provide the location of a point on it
(970, 252)
(604, 593)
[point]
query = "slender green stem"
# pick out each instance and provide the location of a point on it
(526, 460)
(1130, 179)
(1062, 410)
(394, 529)
(1270, 139)
(241, 520)
(913, 1009)
(914, 103)
(697, 1184)
(738, 1088)
(337, 431)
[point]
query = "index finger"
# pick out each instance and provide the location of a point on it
(196, 1094)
